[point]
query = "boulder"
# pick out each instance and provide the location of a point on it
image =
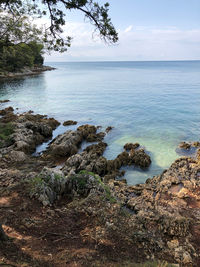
(69, 122)
(130, 146)
(185, 145)
(66, 144)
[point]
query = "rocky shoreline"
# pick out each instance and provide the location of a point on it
(79, 209)
(25, 72)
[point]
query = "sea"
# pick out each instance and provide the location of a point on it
(154, 103)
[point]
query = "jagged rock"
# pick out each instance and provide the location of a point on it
(65, 144)
(108, 129)
(48, 186)
(5, 111)
(185, 145)
(196, 144)
(90, 159)
(82, 183)
(69, 122)
(4, 101)
(174, 243)
(95, 137)
(17, 156)
(130, 146)
(87, 129)
(139, 158)
(28, 131)
(51, 184)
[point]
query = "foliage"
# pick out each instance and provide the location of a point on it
(96, 14)
(107, 193)
(19, 42)
(6, 130)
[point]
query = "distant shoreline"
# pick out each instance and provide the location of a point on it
(25, 72)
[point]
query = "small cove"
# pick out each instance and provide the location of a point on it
(154, 103)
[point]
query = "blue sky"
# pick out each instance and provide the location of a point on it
(148, 30)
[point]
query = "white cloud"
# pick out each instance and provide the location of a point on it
(138, 43)
(129, 28)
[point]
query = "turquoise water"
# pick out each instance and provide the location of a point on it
(154, 103)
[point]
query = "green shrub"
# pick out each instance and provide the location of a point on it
(6, 130)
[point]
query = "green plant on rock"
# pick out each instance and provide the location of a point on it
(6, 130)
(36, 182)
(107, 193)
(80, 181)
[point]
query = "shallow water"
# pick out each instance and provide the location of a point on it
(154, 103)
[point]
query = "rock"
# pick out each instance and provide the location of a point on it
(196, 144)
(95, 137)
(186, 258)
(81, 184)
(69, 122)
(139, 158)
(130, 146)
(173, 244)
(185, 145)
(5, 111)
(17, 156)
(48, 186)
(4, 101)
(66, 144)
(51, 122)
(29, 130)
(90, 159)
(108, 129)
(87, 129)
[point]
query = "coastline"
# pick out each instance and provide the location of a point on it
(157, 219)
(25, 72)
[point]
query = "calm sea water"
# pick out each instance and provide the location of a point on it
(154, 103)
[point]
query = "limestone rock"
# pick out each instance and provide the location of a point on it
(69, 122)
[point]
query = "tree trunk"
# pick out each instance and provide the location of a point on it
(3, 236)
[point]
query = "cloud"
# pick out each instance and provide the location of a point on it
(138, 43)
(129, 28)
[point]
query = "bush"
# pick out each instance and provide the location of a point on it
(6, 130)
(16, 57)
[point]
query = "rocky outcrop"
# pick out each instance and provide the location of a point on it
(51, 184)
(4, 101)
(91, 159)
(69, 122)
(26, 131)
(26, 71)
(166, 208)
(48, 186)
(66, 144)
(189, 145)
(130, 146)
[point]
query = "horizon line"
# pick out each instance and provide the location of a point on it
(90, 61)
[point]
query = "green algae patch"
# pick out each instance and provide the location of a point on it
(6, 130)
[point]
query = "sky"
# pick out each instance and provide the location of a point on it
(148, 30)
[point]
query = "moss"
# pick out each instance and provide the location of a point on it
(86, 172)
(57, 176)
(6, 130)
(81, 182)
(106, 188)
(36, 181)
